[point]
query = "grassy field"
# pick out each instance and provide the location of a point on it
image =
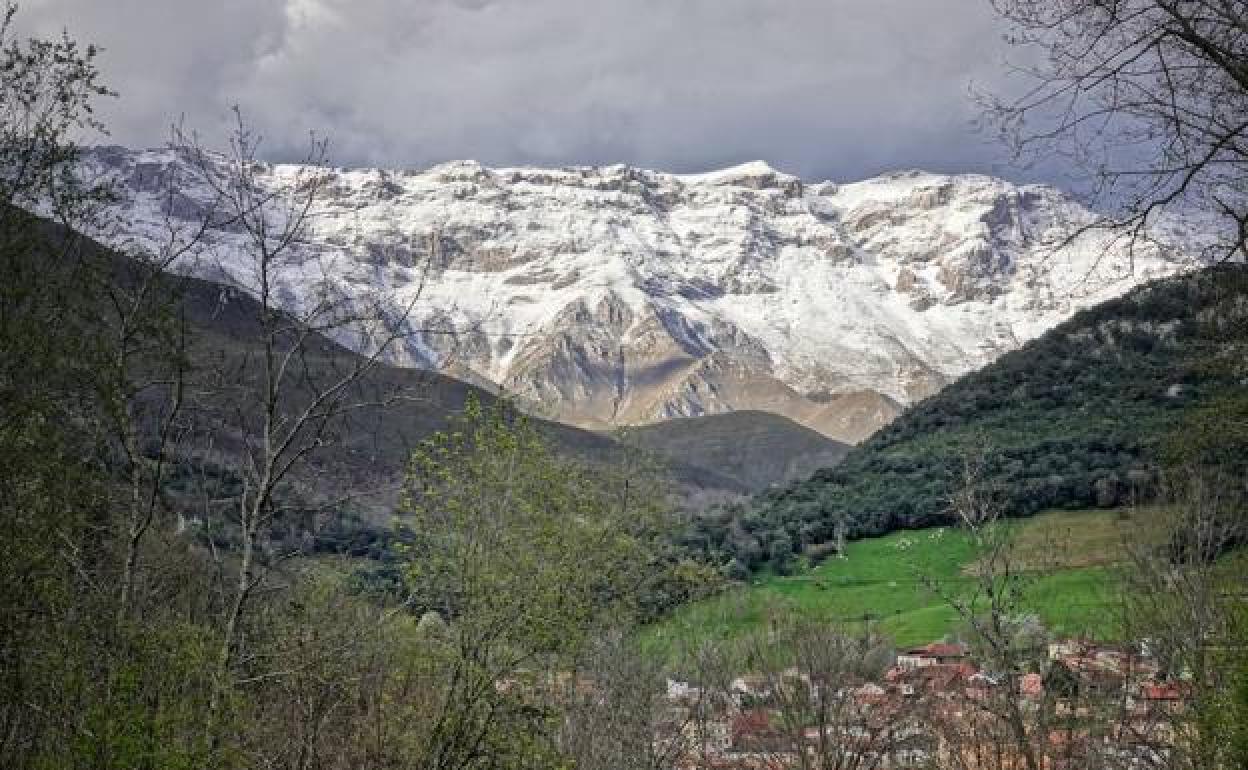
(1069, 559)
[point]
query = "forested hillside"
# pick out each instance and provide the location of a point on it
(1077, 418)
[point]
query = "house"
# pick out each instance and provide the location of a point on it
(682, 692)
(1084, 654)
(935, 679)
(1158, 698)
(1143, 741)
(751, 689)
(1070, 648)
(1067, 749)
(712, 736)
(870, 694)
(933, 654)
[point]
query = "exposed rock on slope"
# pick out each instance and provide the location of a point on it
(615, 295)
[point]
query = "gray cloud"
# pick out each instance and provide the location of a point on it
(825, 88)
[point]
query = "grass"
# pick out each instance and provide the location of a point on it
(1069, 558)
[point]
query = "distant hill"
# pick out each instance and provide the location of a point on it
(1077, 418)
(364, 460)
(758, 449)
(374, 451)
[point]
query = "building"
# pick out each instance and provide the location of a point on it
(936, 653)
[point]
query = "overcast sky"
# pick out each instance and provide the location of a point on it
(837, 89)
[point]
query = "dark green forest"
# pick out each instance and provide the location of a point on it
(1082, 417)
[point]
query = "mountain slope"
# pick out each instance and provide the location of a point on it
(366, 455)
(615, 296)
(1077, 418)
(372, 452)
(757, 448)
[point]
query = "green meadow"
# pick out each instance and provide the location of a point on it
(898, 584)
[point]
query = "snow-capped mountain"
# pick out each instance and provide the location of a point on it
(615, 295)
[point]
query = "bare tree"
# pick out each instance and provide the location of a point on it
(49, 492)
(1184, 595)
(1035, 704)
(143, 379)
(621, 720)
(704, 732)
(278, 405)
(48, 90)
(821, 690)
(1004, 730)
(1148, 97)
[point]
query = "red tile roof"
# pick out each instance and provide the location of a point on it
(1162, 691)
(939, 650)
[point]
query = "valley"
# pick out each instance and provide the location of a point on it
(1078, 417)
(445, 389)
(691, 556)
(750, 463)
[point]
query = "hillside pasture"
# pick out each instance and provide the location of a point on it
(893, 584)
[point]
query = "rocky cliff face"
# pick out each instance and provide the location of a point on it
(615, 295)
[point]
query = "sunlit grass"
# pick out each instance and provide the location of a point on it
(894, 583)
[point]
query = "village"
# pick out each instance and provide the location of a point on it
(1087, 705)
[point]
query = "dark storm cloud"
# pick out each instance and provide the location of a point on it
(824, 88)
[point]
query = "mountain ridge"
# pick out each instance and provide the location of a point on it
(610, 296)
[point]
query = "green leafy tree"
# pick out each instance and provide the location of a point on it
(523, 554)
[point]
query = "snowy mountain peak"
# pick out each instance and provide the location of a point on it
(757, 175)
(618, 295)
